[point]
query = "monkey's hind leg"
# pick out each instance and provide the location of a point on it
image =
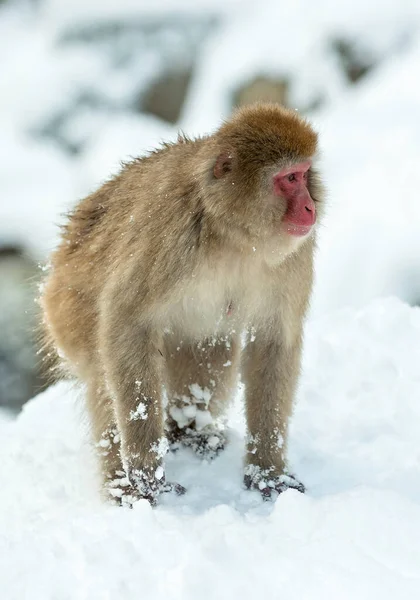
(200, 381)
(115, 484)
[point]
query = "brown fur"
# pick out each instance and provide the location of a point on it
(158, 273)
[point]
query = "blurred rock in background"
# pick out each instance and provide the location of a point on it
(20, 378)
(262, 89)
(354, 61)
(165, 97)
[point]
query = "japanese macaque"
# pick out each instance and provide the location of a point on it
(158, 275)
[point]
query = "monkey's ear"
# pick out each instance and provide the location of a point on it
(223, 165)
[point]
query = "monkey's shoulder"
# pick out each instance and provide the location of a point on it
(166, 153)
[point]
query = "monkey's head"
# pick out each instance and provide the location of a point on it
(262, 178)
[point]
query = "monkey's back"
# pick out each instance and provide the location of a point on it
(126, 222)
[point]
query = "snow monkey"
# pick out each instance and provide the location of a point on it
(193, 264)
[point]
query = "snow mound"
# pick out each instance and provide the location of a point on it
(353, 535)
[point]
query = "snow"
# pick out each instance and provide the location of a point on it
(32, 204)
(354, 534)
(79, 11)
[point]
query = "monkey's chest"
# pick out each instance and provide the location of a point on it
(209, 308)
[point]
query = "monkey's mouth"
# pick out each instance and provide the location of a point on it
(298, 230)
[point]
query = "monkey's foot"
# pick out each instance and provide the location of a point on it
(141, 485)
(206, 443)
(266, 482)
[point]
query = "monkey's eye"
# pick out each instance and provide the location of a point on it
(291, 177)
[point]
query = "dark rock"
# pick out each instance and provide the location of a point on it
(20, 378)
(262, 88)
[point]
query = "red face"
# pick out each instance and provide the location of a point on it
(291, 185)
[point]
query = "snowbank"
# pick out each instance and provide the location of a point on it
(353, 535)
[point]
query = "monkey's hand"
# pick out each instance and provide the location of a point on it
(266, 482)
(141, 485)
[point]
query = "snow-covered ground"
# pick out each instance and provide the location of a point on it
(354, 534)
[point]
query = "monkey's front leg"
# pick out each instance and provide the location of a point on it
(133, 365)
(270, 373)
